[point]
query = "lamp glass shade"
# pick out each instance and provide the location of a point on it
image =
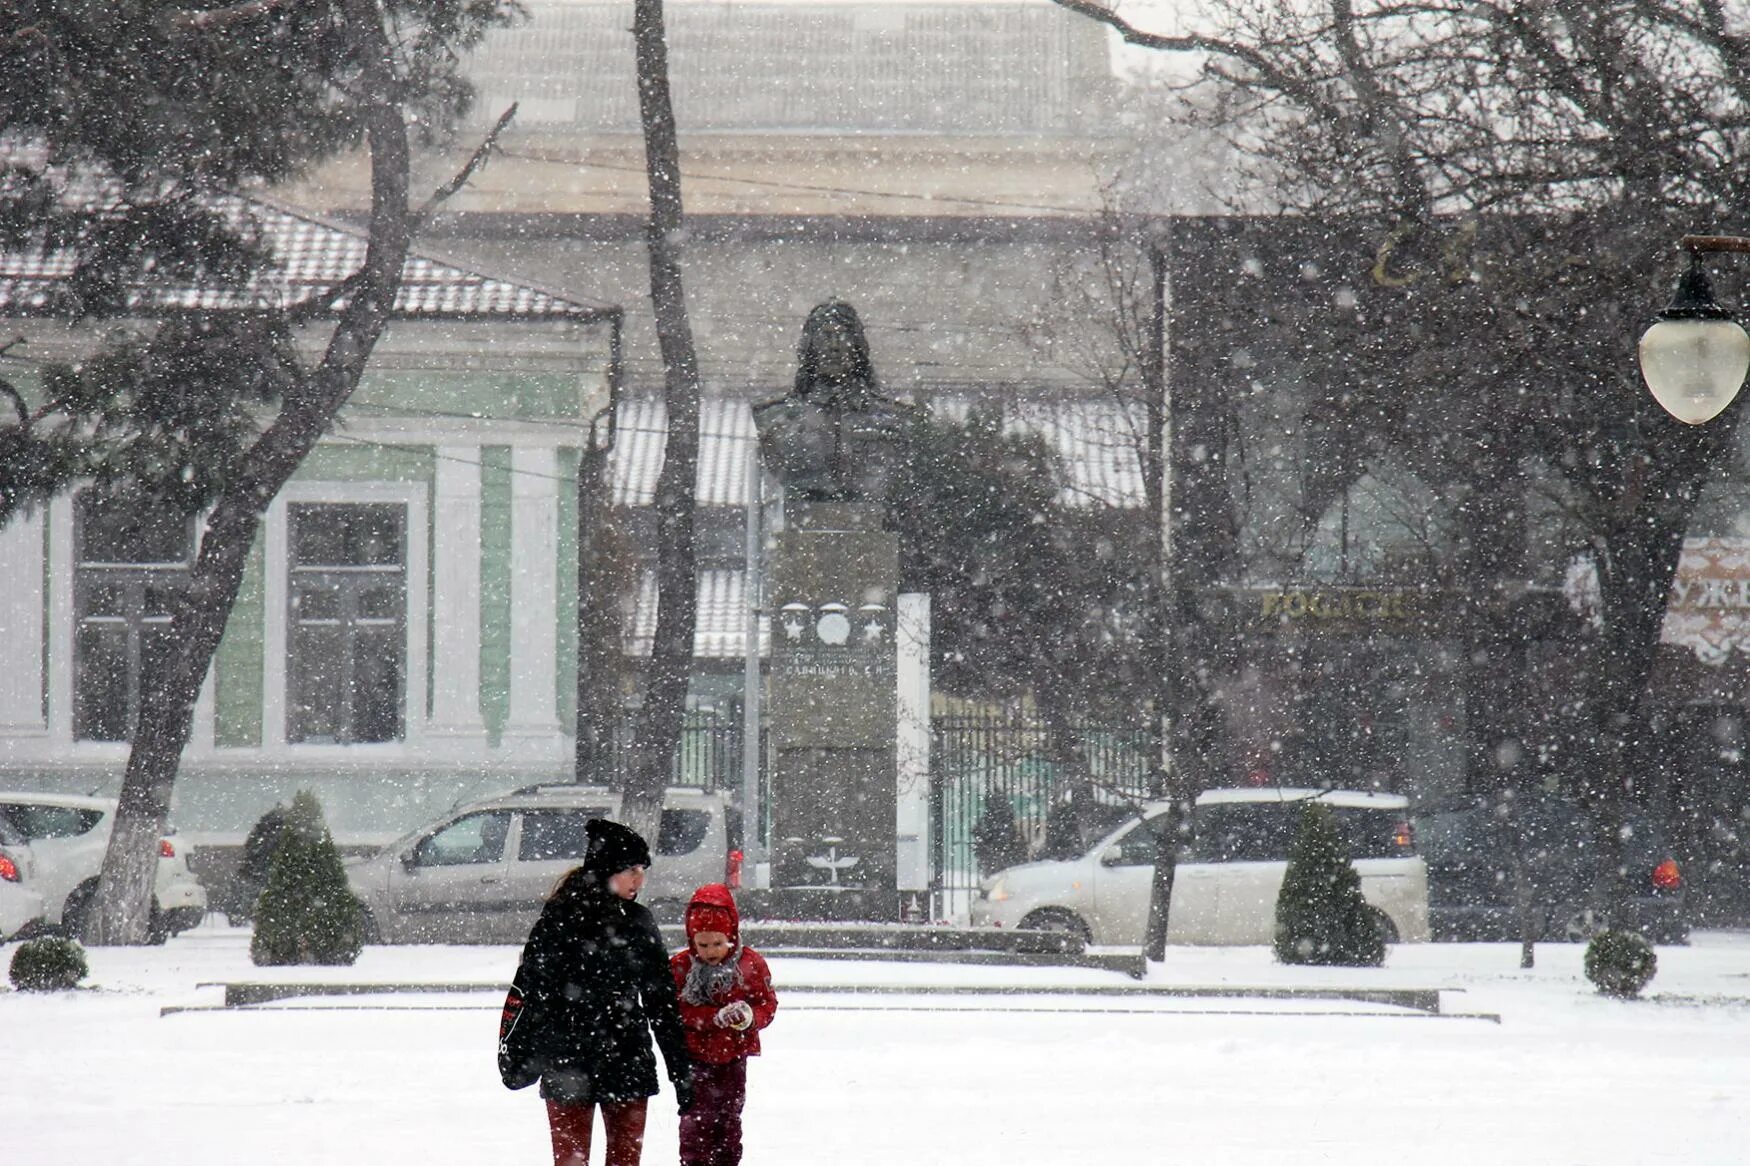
(1694, 368)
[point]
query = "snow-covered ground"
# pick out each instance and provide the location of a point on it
(104, 1076)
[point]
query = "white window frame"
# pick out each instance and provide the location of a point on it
(276, 593)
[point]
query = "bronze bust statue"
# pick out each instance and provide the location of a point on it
(834, 438)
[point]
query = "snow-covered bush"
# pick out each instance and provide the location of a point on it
(1620, 963)
(1321, 917)
(306, 914)
(49, 964)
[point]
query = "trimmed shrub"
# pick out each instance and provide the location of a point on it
(306, 914)
(996, 837)
(49, 964)
(258, 852)
(1321, 917)
(1620, 963)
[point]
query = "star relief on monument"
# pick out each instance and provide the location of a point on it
(874, 616)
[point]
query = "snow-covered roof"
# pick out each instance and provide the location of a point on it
(1096, 439)
(721, 629)
(311, 255)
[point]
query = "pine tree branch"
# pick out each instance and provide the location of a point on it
(210, 19)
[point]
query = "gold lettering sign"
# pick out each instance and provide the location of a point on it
(1330, 604)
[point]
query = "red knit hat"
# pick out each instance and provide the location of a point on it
(713, 909)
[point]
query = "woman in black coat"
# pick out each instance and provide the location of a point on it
(593, 984)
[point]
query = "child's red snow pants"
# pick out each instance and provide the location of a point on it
(711, 1130)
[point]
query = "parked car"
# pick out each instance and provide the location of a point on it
(21, 904)
(1227, 876)
(69, 835)
(480, 873)
(1468, 843)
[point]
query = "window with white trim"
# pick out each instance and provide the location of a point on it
(346, 658)
(129, 564)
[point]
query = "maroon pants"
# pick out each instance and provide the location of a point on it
(711, 1130)
(570, 1125)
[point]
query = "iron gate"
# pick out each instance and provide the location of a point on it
(995, 781)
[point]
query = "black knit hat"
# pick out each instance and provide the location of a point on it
(613, 848)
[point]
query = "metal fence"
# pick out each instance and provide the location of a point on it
(995, 781)
(708, 757)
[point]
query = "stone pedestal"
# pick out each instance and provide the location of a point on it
(833, 590)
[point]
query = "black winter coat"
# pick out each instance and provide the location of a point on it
(595, 983)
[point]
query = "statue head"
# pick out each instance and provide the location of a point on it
(832, 362)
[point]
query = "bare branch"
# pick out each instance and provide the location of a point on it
(475, 161)
(310, 309)
(18, 403)
(1267, 70)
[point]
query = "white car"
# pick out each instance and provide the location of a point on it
(69, 835)
(480, 873)
(21, 906)
(1227, 878)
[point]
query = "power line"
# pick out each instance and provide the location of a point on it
(803, 187)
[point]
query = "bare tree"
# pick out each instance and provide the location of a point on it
(1519, 166)
(1107, 328)
(658, 727)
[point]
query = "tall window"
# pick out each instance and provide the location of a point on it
(130, 562)
(347, 633)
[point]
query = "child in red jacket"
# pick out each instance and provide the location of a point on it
(726, 998)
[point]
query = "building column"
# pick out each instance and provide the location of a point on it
(22, 625)
(533, 721)
(912, 808)
(455, 596)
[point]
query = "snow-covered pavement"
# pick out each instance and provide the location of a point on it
(106, 1075)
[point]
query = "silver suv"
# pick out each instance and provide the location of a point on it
(480, 873)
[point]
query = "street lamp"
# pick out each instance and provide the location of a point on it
(1694, 356)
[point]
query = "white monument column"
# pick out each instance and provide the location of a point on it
(912, 809)
(534, 601)
(455, 597)
(22, 624)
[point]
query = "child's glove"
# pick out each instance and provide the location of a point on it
(737, 1014)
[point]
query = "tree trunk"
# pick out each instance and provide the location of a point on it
(1188, 494)
(1157, 470)
(1637, 557)
(170, 685)
(658, 727)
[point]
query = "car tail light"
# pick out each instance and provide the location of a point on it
(166, 848)
(732, 870)
(1666, 876)
(8, 869)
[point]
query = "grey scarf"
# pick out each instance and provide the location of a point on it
(711, 983)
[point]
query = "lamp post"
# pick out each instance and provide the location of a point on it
(1694, 356)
